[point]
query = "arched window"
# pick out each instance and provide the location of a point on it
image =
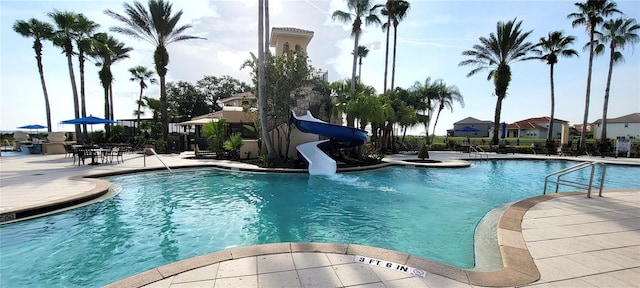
(298, 48)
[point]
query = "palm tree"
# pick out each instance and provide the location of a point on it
(618, 33)
(395, 11)
(363, 51)
(65, 22)
(385, 27)
(360, 8)
(262, 97)
(591, 15)
(550, 48)
(424, 96)
(83, 30)
(108, 50)
(157, 26)
(39, 31)
(445, 96)
(496, 53)
(140, 74)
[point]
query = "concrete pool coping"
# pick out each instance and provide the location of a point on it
(519, 267)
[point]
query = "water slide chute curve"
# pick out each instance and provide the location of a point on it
(319, 162)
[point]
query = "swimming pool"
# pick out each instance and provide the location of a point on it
(160, 218)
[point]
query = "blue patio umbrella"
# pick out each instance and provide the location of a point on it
(32, 127)
(90, 120)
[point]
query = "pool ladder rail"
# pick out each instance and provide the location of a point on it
(574, 168)
(154, 153)
(477, 151)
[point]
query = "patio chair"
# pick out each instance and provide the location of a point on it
(83, 153)
(118, 153)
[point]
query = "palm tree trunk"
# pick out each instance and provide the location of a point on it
(104, 80)
(47, 107)
(74, 89)
(110, 109)
(393, 66)
(355, 62)
(360, 69)
(161, 60)
(605, 106)
(106, 105)
(261, 83)
(164, 117)
(553, 104)
(83, 105)
(386, 51)
(496, 123)
(586, 98)
(436, 123)
(139, 103)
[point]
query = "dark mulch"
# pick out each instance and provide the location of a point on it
(296, 164)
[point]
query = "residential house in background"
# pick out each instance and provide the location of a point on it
(623, 127)
(482, 126)
(535, 128)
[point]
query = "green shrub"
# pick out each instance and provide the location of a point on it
(215, 133)
(234, 144)
(266, 160)
(438, 147)
(161, 146)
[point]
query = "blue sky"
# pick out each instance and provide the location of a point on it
(430, 44)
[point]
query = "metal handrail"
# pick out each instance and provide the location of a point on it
(574, 168)
(478, 151)
(154, 153)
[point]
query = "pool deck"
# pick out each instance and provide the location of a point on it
(555, 240)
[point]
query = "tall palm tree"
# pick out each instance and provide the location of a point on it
(556, 44)
(262, 96)
(63, 37)
(591, 15)
(140, 74)
(39, 31)
(495, 54)
(395, 11)
(361, 9)
(83, 30)
(157, 26)
(108, 50)
(363, 51)
(385, 27)
(445, 97)
(618, 33)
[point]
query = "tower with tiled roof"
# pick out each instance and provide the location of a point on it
(290, 39)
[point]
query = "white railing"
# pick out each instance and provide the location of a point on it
(574, 168)
(478, 152)
(154, 153)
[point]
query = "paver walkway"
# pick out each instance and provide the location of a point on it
(573, 241)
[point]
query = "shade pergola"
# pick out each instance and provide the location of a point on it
(200, 121)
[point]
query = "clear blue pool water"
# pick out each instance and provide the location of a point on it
(159, 218)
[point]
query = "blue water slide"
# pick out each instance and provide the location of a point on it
(320, 163)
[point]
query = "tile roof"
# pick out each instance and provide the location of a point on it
(471, 120)
(531, 123)
(291, 29)
(631, 118)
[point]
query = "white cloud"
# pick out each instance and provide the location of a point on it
(431, 39)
